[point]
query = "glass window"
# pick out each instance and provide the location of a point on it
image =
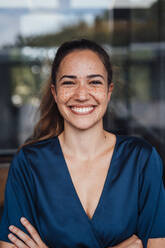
(131, 31)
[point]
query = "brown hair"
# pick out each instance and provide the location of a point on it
(51, 122)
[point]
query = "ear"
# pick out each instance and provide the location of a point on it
(53, 90)
(110, 90)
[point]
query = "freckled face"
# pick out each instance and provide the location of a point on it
(82, 92)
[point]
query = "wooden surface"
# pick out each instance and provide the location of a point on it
(4, 168)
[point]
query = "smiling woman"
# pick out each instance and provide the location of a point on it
(82, 96)
(76, 184)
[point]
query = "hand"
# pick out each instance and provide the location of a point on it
(25, 241)
(132, 242)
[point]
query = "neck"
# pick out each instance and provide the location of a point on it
(84, 144)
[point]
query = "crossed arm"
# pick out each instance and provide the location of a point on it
(21, 240)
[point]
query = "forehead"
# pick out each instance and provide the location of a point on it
(85, 61)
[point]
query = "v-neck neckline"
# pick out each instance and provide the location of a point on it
(101, 198)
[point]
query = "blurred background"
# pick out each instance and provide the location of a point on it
(132, 32)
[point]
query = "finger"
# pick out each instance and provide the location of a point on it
(16, 241)
(23, 236)
(34, 234)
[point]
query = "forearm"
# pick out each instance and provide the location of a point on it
(156, 242)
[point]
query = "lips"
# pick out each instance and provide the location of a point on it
(82, 109)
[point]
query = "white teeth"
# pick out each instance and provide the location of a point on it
(82, 110)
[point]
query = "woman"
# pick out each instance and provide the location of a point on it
(77, 184)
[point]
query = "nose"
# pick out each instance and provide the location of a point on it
(81, 93)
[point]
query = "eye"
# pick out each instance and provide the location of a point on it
(67, 83)
(95, 82)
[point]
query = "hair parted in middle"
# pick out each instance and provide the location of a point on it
(82, 44)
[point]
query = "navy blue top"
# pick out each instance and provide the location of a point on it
(40, 188)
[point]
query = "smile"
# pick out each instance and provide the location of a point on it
(82, 110)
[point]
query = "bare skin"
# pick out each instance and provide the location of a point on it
(88, 176)
(22, 240)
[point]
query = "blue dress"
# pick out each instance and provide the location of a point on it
(40, 188)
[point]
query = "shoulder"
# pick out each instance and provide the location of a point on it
(134, 143)
(40, 148)
(140, 152)
(39, 144)
(33, 152)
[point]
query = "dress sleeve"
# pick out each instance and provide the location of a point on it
(18, 196)
(151, 218)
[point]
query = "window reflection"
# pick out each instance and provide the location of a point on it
(133, 33)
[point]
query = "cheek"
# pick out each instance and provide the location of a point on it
(64, 95)
(99, 94)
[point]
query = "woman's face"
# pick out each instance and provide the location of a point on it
(82, 92)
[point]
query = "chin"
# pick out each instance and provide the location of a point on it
(84, 126)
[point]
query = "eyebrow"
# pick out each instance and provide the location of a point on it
(67, 76)
(95, 75)
(74, 77)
